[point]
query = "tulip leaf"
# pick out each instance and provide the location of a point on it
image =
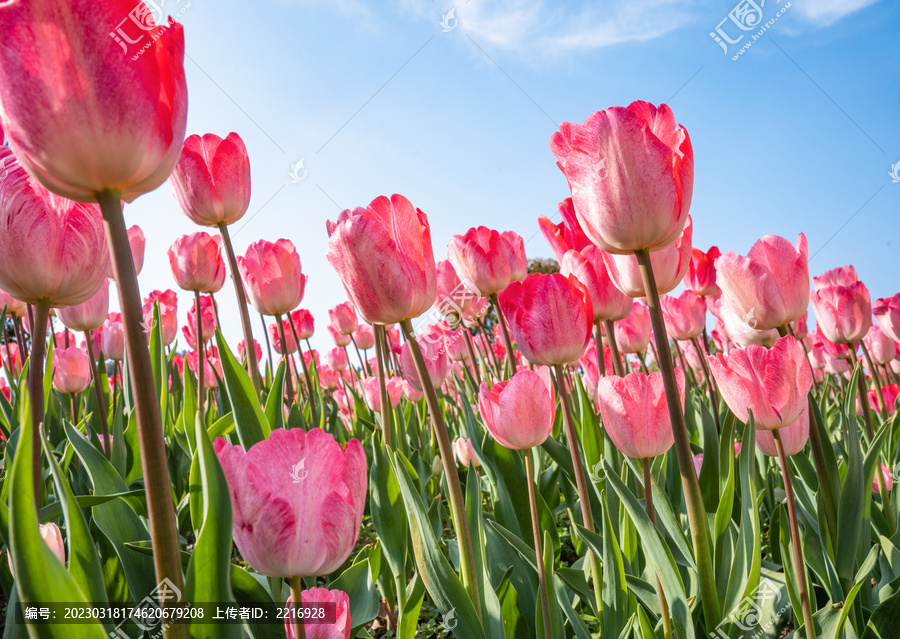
(189, 410)
(491, 611)
(885, 620)
(365, 602)
(851, 505)
(54, 509)
(274, 403)
(557, 627)
(386, 506)
(441, 581)
(249, 420)
(409, 615)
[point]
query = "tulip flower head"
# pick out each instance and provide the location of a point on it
(273, 276)
(843, 313)
(519, 412)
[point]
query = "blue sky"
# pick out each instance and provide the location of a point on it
(799, 133)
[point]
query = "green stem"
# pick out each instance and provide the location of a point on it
(618, 366)
(95, 375)
(313, 411)
(382, 385)
(36, 389)
(539, 553)
(296, 584)
(648, 495)
(598, 342)
(242, 305)
(472, 356)
(457, 503)
(262, 320)
(201, 355)
(287, 360)
(510, 355)
(693, 498)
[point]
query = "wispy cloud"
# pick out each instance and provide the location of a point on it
(823, 13)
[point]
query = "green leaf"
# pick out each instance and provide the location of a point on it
(851, 505)
(386, 506)
(409, 615)
(274, 403)
(54, 509)
(249, 420)
(365, 602)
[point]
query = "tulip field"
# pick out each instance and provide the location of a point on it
(492, 446)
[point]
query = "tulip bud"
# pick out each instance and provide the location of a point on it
(52, 536)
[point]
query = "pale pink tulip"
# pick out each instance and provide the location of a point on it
(633, 333)
(71, 370)
(685, 315)
(881, 347)
(670, 263)
(434, 354)
(841, 276)
(314, 597)
(887, 315)
(843, 313)
(90, 314)
(519, 412)
(465, 453)
(793, 437)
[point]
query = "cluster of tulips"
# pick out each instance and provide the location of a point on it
(680, 483)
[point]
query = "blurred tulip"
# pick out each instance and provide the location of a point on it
(315, 597)
(71, 370)
(211, 179)
(567, 235)
(519, 412)
(635, 413)
(454, 297)
(4, 388)
(329, 379)
(11, 357)
(670, 263)
(793, 437)
(631, 173)
(395, 390)
(515, 254)
(52, 536)
(550, 317)
(336, 359)
(168, 313)
(196, 262)
(887, 315)
(799, 327)
(476, 312)
(609, 303)
(698, 463)
(298, 500)
(88, 315)
(481, 260)
(841, 276)
(769, 285)
(685, 315)
(465, 453)
(136, 241)
(242, 351)
(701, 275)
(304, 323)
(365, 337)
(411, 393)
(843, 313)
(455, 344)
(340, 339)
(289, 346)
(772, 383)
(273, 277)
(207, 322)
(14, 307)
(112, 337)
(343, 318)
(888, 479)
(212, 366)
(434, 354)
(633, 333)
(890, 393)
(384, 257)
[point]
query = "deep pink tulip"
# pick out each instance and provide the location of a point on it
(343, 318)
(340, 629)
(635, 414)
(14, 307)
(701, 275)
(71, 370)
(168, 312)
(94, 111)
(90, 314)
(340, 339)
(609, 303)
(336, 359)
(50, 248)
(772, 383)
(4, 388)
(841, 276)
(550, 317)
(273, 276)
(888, 479)
(887, 315)
(793, 437)
(519, 412)
(890, 393)
(434, 353)
(631, 173)
(515, 254)
(481, 260)
(242, 351)
(881, 347)
(365, 337)
(207, 322)
(303, 323)
(589, 366)
(290, 346)
(633, 333)
(196, 262)
(843, 313)
(685, 315)
(770, 284)
(800, 328)
(384, 257)
(465, 453)
(670, 263)
(298, 500)
(568, 234)
(211, 179)
(112, 337)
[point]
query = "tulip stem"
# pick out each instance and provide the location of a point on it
(472, 356)
(296, 584)
(313, 412)
(795, 538)
(580, 480)
(539, 553)
(287, 360)
(157, 483)
(618, 367)
(457, 503)
(710, 380)
(242, 305)
(201, 354)
(648, 495)
(693, 498)
(36, 389)
(876, 378)
(381, 362)
(882, 485)
(598, 342)
(95, 374)
(510, 355)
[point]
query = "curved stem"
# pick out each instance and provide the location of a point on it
(618, 367)
(795, 539)
(296, 584)
(382, 387)
(287, 358)
(157, 483)
(648, 495)
(36, 389)
(457, 503)
(95, 374)
(510, 356)
(242, 305)
(538, 551)
(696, 511)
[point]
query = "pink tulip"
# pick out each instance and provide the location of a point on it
(631, 173)
(336, 359)
(212, 366)
(771, 284)
(843, 313)
(273, 277)
(481, 260)
(211, 179)
(550, 317)
(888, 479)
(434, 354)
(168, 313)
(383, 256)
(51, 248)
(88, 315)
(890, 394)
(476, 312)
(633, 333)
(772, 383)
(887, 315)
(298, 500)
(698, 463)
(740, 330)
(340, 339)
(242, 351)
(365, 337)
(465, 453)
(328, 379)
(793, 437)
(816, 354)
(196, 262)
(4, 388)
(395, 390)
(289, 346)
(14, 307)
(137, 241)
(635, 414)
(303, 323)
(587, 265)
(701, 275)
(589, 365)
(94, 112)
(207, 322)
(340, 629)
(836, 365)
(799, 327)
(11, 357)
(112, 337)
(515, 254)
(693, 357)
(411, 393)
(52, 536)
(71, 370)
(670, 263)
(372, 393)
(343, 318)
(455, 343)
(685, 315)
(881, 347)
(519, 412)
(454, 297)
(567, 235)
(841, 276)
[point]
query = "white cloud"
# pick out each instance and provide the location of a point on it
(823, 13)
